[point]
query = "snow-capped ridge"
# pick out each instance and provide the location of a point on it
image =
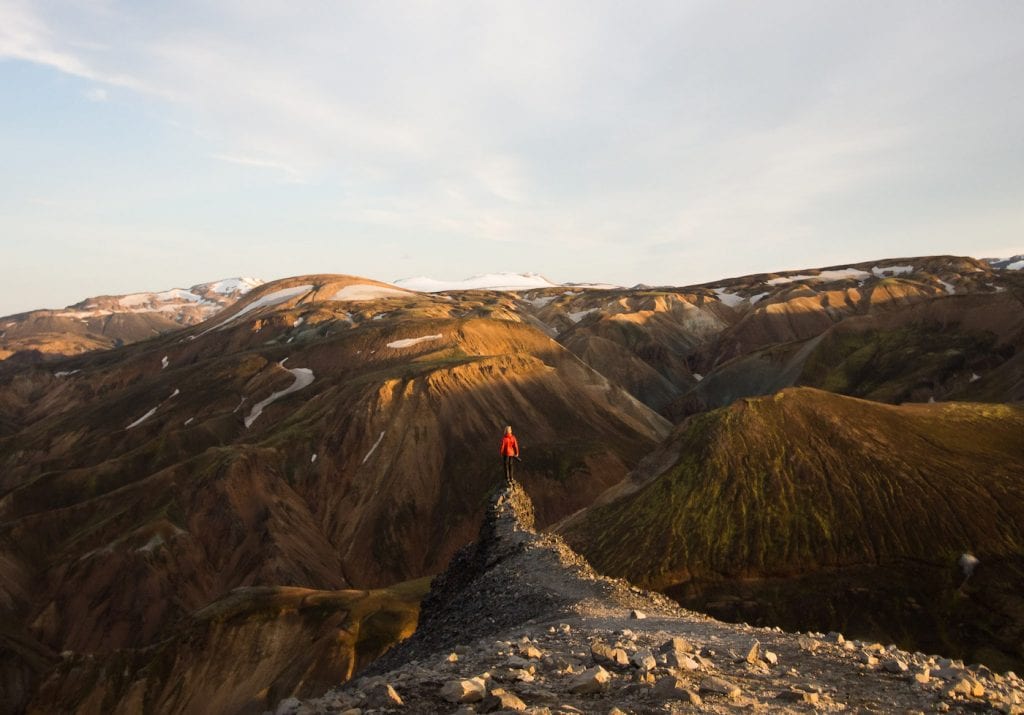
(483, 281)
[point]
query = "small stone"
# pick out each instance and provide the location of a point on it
(835, 637)
(637, 615)
(564, 628)
(923, 676)
(771, 658)
(603, 654)
(471, 690)
(753, 653)
(501, 700)
(382, 695)
(674, 688)
(616, 711)
(675, 645)
(868, 659)
(523, 676)
(530, 651)
(807, 643)
(453, 658)
(515, 661)
(719, 686)
(644, 660)
(594, 680)
(875, 648)
(682, 661)
(895, 665)
(798, 696)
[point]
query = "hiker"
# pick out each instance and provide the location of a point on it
(509, 451)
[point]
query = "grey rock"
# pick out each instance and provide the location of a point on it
(501, 700)
(895, 665)
(672, 687)
(638, 615)
(676, 645)
(808, 644)
(798, 696)
(470, 690)
(719, 686)
(594, 680)
(643, 659)
(771, 658)
(603, 654)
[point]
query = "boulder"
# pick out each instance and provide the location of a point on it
(470, 690)
(719, 686)
(675, 688)
(594, 680)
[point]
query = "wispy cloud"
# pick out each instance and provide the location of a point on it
(292, 174)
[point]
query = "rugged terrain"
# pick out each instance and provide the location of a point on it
(519, 622)
(809, 509)
(107, 321)
(326, 436)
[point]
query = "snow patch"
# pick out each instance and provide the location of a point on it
(974, 377)
(374, 447)
(486, 281)
(154, 543)
(1015, 266)
(891, 270)
(362, 291)
(142, 419)
(189, 421)
(540, 302)
(968, 562)
(579, 315)
(298, 321)
(409, 342)
(697, 376)
(164, 363)
(274, 298)
(827, 276)
(228, 286)
(950, 288)
(303, 378)
(754, 298)
(729, 299)
(312, 460)
(65, 373)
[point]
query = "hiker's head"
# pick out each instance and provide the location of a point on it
(508, 430)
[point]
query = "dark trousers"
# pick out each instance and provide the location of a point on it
(510, 468)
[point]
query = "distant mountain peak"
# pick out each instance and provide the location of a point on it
(483, 281)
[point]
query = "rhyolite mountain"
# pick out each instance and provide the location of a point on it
(108, 321)
(811, 509)
(330, 433)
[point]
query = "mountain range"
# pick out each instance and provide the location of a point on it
(840, 437)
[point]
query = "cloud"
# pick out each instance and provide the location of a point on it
(291, 173)
(584, 127)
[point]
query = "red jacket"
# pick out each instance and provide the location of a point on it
(509, 446)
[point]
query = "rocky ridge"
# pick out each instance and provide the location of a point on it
(520, 623)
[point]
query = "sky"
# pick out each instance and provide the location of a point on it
(145, 146)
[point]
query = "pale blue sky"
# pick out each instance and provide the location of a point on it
(146, 145)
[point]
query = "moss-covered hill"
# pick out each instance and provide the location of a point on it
(776, 507)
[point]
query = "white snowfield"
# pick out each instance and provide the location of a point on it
(950, 288)
(303, 379)
(730, 299)
(485, 281)
(827, 276)
(1015, 266)
(228, 286)
(364, 291)
(755, 298)
(274, 298)
(579, 315)
(164, 362)
(409, 342)
(175, 295)
(891, 271)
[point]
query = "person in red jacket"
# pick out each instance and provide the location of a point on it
(509, 451)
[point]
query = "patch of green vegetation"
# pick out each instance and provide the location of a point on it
(888, 365)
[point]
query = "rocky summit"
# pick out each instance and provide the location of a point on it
(521, 623)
